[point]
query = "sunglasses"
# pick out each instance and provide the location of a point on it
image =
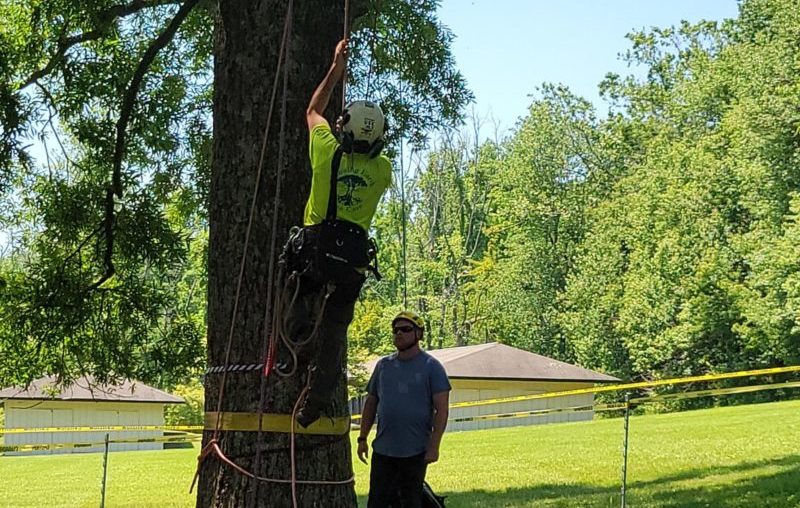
(404, 329)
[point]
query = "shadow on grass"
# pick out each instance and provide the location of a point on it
(777, 485)
(769, 488)
(177, 446)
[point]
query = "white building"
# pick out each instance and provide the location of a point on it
(494, 371)
(85, 403)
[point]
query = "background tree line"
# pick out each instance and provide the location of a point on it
(660, 240)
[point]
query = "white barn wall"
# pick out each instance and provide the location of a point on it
(465, 390)
(32, 414)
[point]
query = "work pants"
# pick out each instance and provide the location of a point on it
(326, 349)
(396, 482)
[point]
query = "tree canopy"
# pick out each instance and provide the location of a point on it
(105, 171)
(658, 241)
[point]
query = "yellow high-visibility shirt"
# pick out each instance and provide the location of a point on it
(360, 184)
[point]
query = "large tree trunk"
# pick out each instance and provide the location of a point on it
(246, 49)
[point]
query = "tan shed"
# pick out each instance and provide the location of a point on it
(494, 371)
(85, 403)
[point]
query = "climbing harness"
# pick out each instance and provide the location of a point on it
(333, 251)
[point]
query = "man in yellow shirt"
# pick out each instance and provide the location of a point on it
(333, 247)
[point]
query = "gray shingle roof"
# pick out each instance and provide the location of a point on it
(86, 388)
(498, 361)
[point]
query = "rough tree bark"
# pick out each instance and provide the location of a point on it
(248, 37)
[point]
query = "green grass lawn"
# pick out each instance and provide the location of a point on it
(747, 456)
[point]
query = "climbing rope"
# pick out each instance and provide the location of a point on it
(291, 345)
(250, 221)
(345, 35)
(372, 39)
(403, 216)
(259, 172)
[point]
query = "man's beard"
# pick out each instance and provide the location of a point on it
(409, 346)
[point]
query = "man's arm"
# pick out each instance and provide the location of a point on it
(322, 95)
(441, 403)
(367, 419)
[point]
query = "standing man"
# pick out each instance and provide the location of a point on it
(331, 253)
(409, 392)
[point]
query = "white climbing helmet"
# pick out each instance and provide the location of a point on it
(363, 121)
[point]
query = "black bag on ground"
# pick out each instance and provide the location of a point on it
(429, 499)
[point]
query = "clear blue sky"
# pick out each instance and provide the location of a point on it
(506, 48)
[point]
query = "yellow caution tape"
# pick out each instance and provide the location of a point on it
(629, 386)
(636, 401)
(272, 422)
(716, 391)
(281, 423)
(540, 412)
(106, 428)
(186, 438)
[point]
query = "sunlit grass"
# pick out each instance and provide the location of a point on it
(747, 456)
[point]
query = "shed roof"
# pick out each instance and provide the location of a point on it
(502, 362)
(86, 388)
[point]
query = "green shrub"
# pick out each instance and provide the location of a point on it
(190, 413)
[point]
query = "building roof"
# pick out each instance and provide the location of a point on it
(501, 362)
(86, 388)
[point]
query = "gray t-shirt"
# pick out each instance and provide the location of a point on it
(405, 389)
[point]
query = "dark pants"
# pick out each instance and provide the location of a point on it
(396, 482)
(330, 342)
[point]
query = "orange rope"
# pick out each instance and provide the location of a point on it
(213, 447)
(267, 346)
(213, 444)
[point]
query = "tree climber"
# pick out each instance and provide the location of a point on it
(330, 255)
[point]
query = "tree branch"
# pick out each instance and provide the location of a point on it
(105, 20)
(53, 114)
(133, 89)
(115, 189)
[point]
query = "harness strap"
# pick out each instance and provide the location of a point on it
(373, 255)
(335, 163)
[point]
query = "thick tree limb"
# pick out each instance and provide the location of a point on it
(115, 189)
(105, 21)
(108, 228)
(133, 89)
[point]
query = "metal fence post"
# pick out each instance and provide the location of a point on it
(625, 451)
(105, 470)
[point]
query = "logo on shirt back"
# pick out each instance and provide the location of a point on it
(351, 183)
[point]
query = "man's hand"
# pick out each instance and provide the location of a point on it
(431, 454)
(340, 54)
(363, 451)
(319, 101)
